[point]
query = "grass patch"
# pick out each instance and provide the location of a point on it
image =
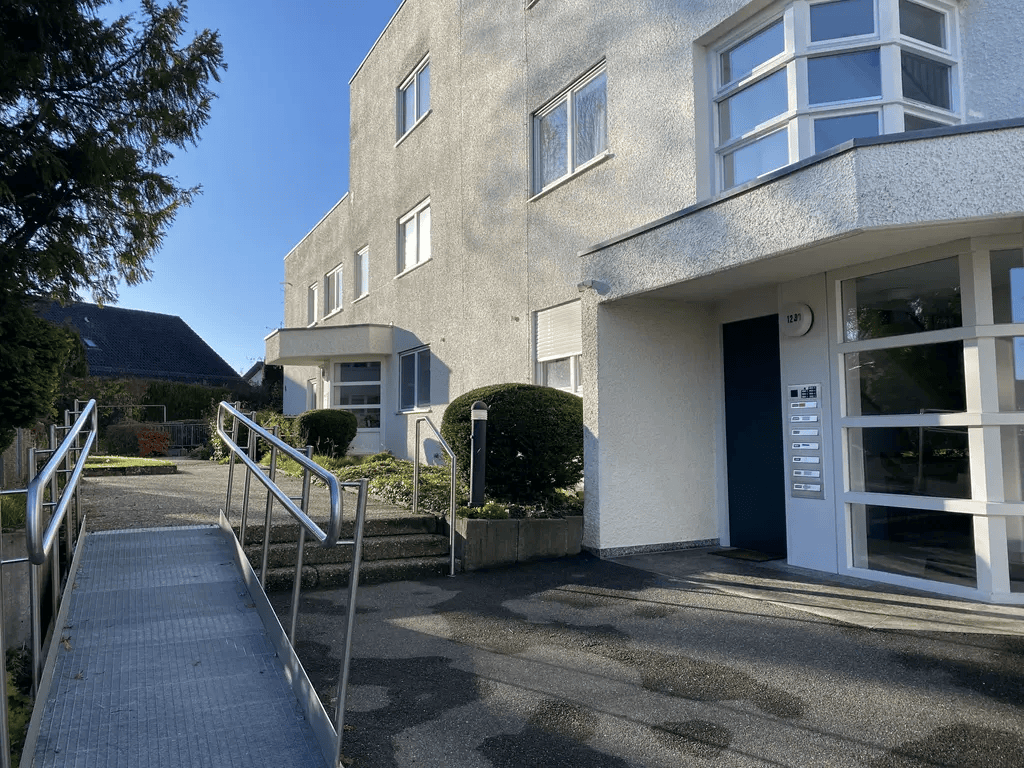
(12, 511)
(119, 462)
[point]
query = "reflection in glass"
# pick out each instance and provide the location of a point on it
(915, 123)
(422, 377)
(924, 24)
(408, 108)
(755, 104)
(831, 131)
(423, 91)
(558, 373)
(938, 546)
(553, 137)
(1002, 262)
(924, 297)
(356, 394)
(591, 120)
(756, 159)
(928, 378)
(366, 418)
(924, 461)
(1010, 374)
(844, 77)
(357, 372)
(843, 18)
(925, 80)
(1015, 551)
(740, 61)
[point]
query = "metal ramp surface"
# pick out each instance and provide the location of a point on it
(163, 659)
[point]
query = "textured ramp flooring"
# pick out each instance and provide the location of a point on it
(164, 661)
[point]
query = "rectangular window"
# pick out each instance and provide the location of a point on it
(414, 98)
(362, 272)
(924, 297)
(842, 18)
(926, 80)
(311, 301)
(924, 24)
(571, 130)
(414, 237)
(756, 159)
(559, 344)
(740, 60)
(911, 542)
(414, 373)
(357, 389)
(844, 77)
(332, 290)
(832, 131)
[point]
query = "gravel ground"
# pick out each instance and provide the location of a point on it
(194, 496)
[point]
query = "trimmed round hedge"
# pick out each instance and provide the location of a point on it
(534, 439)
(328, 430)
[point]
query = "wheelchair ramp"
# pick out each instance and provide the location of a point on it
(163, 660)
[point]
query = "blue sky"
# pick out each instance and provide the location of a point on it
(272, 161)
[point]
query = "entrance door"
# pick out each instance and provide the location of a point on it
(753, 435)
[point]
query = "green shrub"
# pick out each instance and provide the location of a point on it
(534, 439)
(390, 480)
(122, 439)
(12, 511)
(492, 510)
(328, 430)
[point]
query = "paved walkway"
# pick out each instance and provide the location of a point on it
(686, 659)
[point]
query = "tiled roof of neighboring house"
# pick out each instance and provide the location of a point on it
(255, 374)
(145, 345)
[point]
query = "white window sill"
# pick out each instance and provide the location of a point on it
(332, 313)
(413, 268)
(414, 411)
(419, 120)
(311, 325)
(606, 155)
(357, 299)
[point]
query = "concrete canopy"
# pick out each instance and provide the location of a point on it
(310, 346)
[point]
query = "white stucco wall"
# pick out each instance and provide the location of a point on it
(652, 453)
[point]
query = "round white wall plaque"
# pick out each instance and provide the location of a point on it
(796, 320)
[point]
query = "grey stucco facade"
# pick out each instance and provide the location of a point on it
(672, 256)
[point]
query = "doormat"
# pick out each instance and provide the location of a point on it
(750, 555)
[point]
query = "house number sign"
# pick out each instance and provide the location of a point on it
(796, 320)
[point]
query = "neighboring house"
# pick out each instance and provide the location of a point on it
(144, 345)
(254, 376)
(797, 331)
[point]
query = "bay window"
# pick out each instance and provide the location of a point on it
(807, 76)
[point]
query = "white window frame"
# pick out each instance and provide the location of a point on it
(420, 108)
(338, 385)
(361, 273)
(982, 416)
(333, 286)
(312, 399)
(798, 119)
(420, 401)
(312, 304)
(558, 336)
(420, 214)
(567, 97)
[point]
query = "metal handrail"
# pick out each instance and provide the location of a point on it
(39, 543)
(326, 539)
(416, 486)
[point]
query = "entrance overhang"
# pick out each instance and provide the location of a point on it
(311, 346)
(867, 199)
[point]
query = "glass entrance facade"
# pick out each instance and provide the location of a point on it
(930, 356)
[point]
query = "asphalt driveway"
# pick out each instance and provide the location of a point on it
(583, 662)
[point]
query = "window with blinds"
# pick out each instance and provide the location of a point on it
(559, 345)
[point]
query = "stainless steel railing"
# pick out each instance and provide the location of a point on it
(416, 486)
(68, 460)
(328, 538)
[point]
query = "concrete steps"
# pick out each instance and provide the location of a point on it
(394, 548)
